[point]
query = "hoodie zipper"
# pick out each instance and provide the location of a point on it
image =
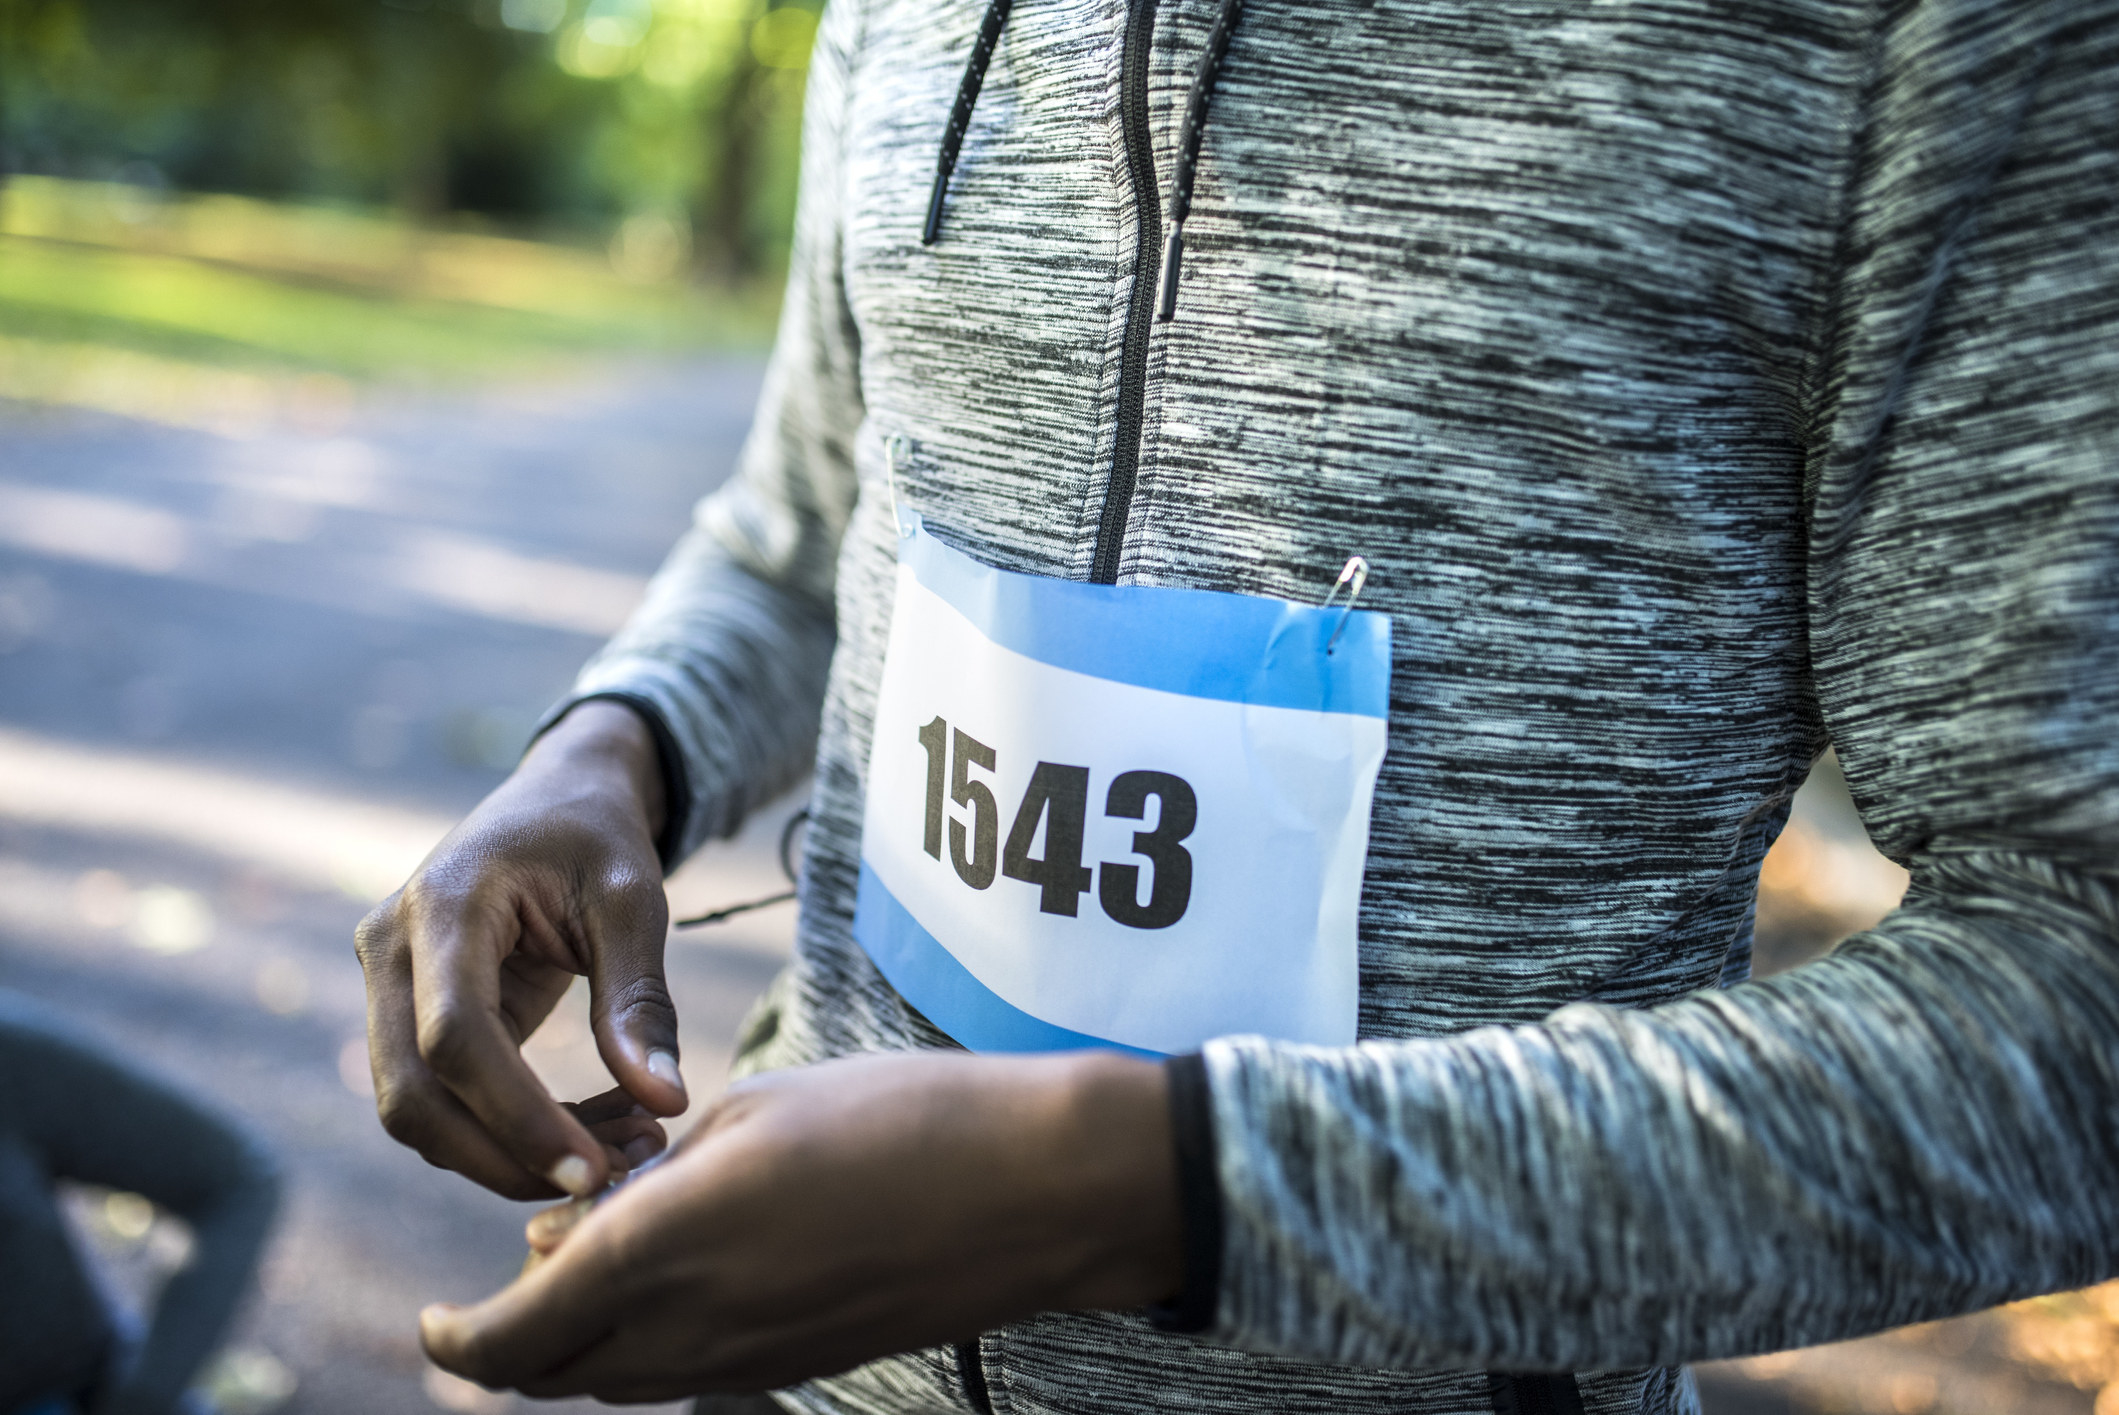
(1140, 308)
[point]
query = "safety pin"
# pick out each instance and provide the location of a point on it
(896, 446)
(1352, 576)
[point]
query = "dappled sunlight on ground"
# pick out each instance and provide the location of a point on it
(318, 839)
(247, 678)
(227, 546)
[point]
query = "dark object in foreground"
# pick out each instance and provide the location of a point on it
(71, 1110)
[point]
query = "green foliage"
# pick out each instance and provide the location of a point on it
(670, 122)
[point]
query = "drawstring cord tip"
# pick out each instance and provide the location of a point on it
(932, 231)
(1173, 253)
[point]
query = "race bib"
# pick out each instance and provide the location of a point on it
(1124, 816)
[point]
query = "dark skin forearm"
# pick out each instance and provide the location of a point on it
(822, 1217)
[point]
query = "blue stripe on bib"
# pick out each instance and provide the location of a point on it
(928, 977)
(1208, 643)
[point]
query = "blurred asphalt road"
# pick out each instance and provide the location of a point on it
(244, 683)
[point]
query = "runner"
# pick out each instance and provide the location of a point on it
(1309, 548)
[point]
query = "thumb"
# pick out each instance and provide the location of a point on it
(634, 1020)
(538, 1322)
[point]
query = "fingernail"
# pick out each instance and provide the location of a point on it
(571, 1174)
(663, 1067)
(556, 1223)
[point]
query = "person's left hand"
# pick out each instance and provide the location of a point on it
(822, 1217)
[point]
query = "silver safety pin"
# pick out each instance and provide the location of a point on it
(895, 447)
(1352, 576)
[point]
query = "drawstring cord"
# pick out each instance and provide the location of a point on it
(967, 97)
(1189, 139)
(787, 867)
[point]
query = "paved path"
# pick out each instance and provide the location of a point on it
(243, 684)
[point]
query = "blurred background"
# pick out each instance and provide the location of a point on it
(359, 359)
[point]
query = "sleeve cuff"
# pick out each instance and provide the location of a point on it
(669, 759)
(1199, 1198)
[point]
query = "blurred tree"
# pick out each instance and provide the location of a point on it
(670, 123)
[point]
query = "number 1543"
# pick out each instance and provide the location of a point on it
(1058, 794)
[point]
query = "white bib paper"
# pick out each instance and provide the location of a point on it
(1118, 815)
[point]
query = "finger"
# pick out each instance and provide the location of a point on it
(625, 1367)
(631, 1135)
(614, 1104)
(548, 1228)
(613, 1389)
(415, 1108)
(639, 1361)
(423, 1115)
(530, 989)
(642, 1148)
(543, 1319)
(630, 1010)
(465, 1041)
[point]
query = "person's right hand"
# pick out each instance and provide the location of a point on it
(554, 874)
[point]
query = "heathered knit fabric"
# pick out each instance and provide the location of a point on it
(1705, 382)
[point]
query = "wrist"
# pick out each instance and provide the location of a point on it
(607, 746)
(1112, 1137)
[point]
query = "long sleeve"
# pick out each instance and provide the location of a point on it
(1925, 1122)
(729, 650)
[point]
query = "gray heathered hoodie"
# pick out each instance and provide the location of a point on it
(1705, 382)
